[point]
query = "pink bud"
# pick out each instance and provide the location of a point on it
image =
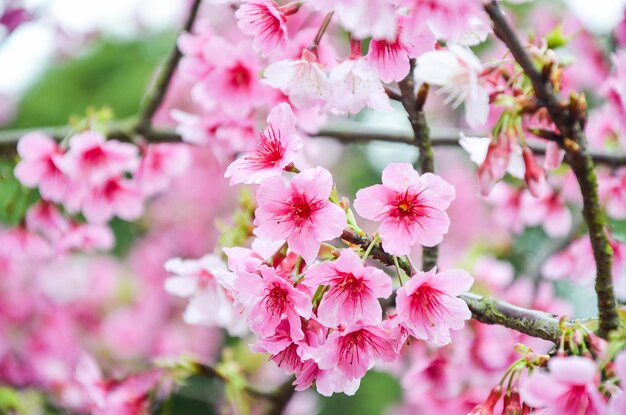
(512, 403)
(486, 408)
(535, 176)
(495, 164)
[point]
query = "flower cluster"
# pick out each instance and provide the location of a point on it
(90, 176)
(323, 321)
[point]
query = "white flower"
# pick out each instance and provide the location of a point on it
(355, 85)
(204, 281)
(457, 71)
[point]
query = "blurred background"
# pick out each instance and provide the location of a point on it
(60, 57)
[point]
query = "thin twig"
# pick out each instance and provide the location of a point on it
(569, 119)
(354, 135)
(157, 94)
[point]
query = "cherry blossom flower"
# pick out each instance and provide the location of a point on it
(40, 166)
(428, 305)
(495, 157)
(455, 21)
(278, 146)
(233, 82)
(93, 159)
(115, 196)
(354, 351)
(363, 18)
(303, 80)
(548, 211)
(159, 165)
(457, 71)
(86, 237)
(202, 281)
(355, 85)
(410, 208)
(299, 212)
(353, 291)
(264, 20)
(391, 58)
(268, 298)
(570, 388)
(45, 218)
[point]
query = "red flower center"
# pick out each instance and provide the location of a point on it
(276, 299)
(426, 304)
(408, 206)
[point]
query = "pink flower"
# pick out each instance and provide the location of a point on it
(457, 71)
(363, 18)
(93, 159)
(203, 281)
(41, 166)
(548, 211)
(302, 80)
(495, 157)
(410, 208)
(354, 351)
(86, 237)
(455, 21)
(428, 305)
(299, 212)
(570, 388)
(353, 290)
(159, 165)
(278, 146)
(391, 58)
(355, 85)
(45, 218)
(266, 22)
(233, 84)
(269, 298)
(115, 196)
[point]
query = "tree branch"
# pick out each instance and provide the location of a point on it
(484, 309)
(157, 94)
(414, 107)
(568, 119)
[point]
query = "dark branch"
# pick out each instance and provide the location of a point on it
(570, 119)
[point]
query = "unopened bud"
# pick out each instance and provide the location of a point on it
(534, 176)
(486, 408)
(512, 403)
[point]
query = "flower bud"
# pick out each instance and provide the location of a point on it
(535, 177)
(486, 408)
(512, 403)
